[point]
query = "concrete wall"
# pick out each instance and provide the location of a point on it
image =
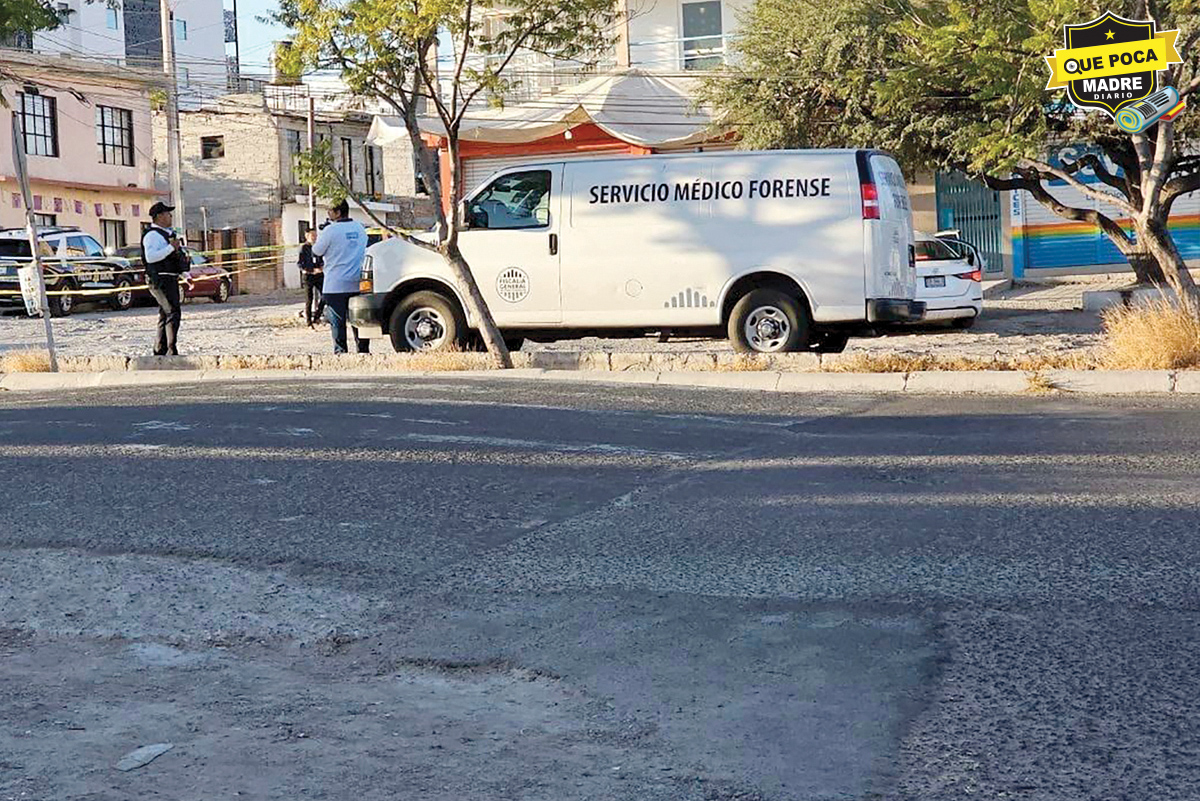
(922, 194)
(656, 26)
(202, 55)
(240, 189)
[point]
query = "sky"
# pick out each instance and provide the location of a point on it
(256, 36)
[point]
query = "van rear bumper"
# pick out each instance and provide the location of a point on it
(894, 310)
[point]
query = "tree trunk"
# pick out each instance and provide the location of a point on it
(1154, 235)
(1146, 268)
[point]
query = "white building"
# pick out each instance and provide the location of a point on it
(131, 35)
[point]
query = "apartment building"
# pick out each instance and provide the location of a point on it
(88, 140)
(130, 34)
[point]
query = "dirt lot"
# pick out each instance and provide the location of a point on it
(1023, 321)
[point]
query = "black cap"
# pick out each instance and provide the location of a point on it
(158, 208)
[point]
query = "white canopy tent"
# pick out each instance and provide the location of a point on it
(632, 106)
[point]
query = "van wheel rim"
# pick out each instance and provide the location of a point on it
(125, 298)
(65, 302)
(223, 291)
(425, 329)
(767, 329)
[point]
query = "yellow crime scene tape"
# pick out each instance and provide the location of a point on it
(259, 263)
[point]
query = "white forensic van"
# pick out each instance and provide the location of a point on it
(778, 250)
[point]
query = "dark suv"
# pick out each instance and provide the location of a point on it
(73, 261)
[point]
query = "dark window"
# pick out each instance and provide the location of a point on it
(113, 233)
(703, 43)
(516, 200)
(933, 250)
(39, 121)
(295, 146)
(83, 245)
(371, 179)
(212, 147)
(45, 220)
(114, 135)
(348, 160)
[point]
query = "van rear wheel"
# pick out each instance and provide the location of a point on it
(428, 322)
(768, 321)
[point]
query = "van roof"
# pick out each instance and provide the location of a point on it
(716, 154)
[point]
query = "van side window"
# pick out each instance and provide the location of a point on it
(516, 200)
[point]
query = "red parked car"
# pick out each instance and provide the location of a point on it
(207, 280)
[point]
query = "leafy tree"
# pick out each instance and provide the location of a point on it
(18, 17)
(388, 50)
(960, 85)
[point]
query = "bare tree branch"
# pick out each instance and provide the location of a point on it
(1031, 182)
(1049, 170)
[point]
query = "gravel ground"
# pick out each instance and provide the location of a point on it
(1023, 321)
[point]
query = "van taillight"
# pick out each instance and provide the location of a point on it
(870, 201)
(974, 275)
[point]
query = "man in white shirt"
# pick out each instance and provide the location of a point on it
(342, 243)
(165, 260)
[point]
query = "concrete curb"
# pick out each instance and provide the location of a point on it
(1094, 382)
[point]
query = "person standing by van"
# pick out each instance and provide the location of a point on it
(165, 260)
(343, 246)
(312, 274)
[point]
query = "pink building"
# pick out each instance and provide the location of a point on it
(89, 144)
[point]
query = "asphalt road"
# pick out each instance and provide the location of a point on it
(453, 589)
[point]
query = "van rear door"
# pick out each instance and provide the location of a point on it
(888, 235)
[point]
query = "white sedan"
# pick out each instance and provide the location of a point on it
(949, 280)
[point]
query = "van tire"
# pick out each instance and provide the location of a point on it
(763, 312)
(963, 323)
(427, 317)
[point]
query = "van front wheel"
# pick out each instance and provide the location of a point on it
(427, 321)
(768, 321)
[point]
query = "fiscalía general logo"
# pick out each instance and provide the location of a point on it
(1112, 64)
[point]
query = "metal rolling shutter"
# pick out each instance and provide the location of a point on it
(478, 170)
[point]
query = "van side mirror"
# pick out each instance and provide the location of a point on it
(464, 214)
(541, 216)
(110, 251)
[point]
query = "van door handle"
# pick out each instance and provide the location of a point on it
(553, 244)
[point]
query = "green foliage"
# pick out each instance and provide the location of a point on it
(26, 16)
(316, 167)
(944, 84)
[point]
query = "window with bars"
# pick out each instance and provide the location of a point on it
(114, 135)
(45, 220)
(113, 233)
(39, 121)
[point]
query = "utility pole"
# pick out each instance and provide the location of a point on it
(34, 271)
(174, 154)
(312, 141)
(237, 49)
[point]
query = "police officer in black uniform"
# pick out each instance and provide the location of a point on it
(165, 261)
